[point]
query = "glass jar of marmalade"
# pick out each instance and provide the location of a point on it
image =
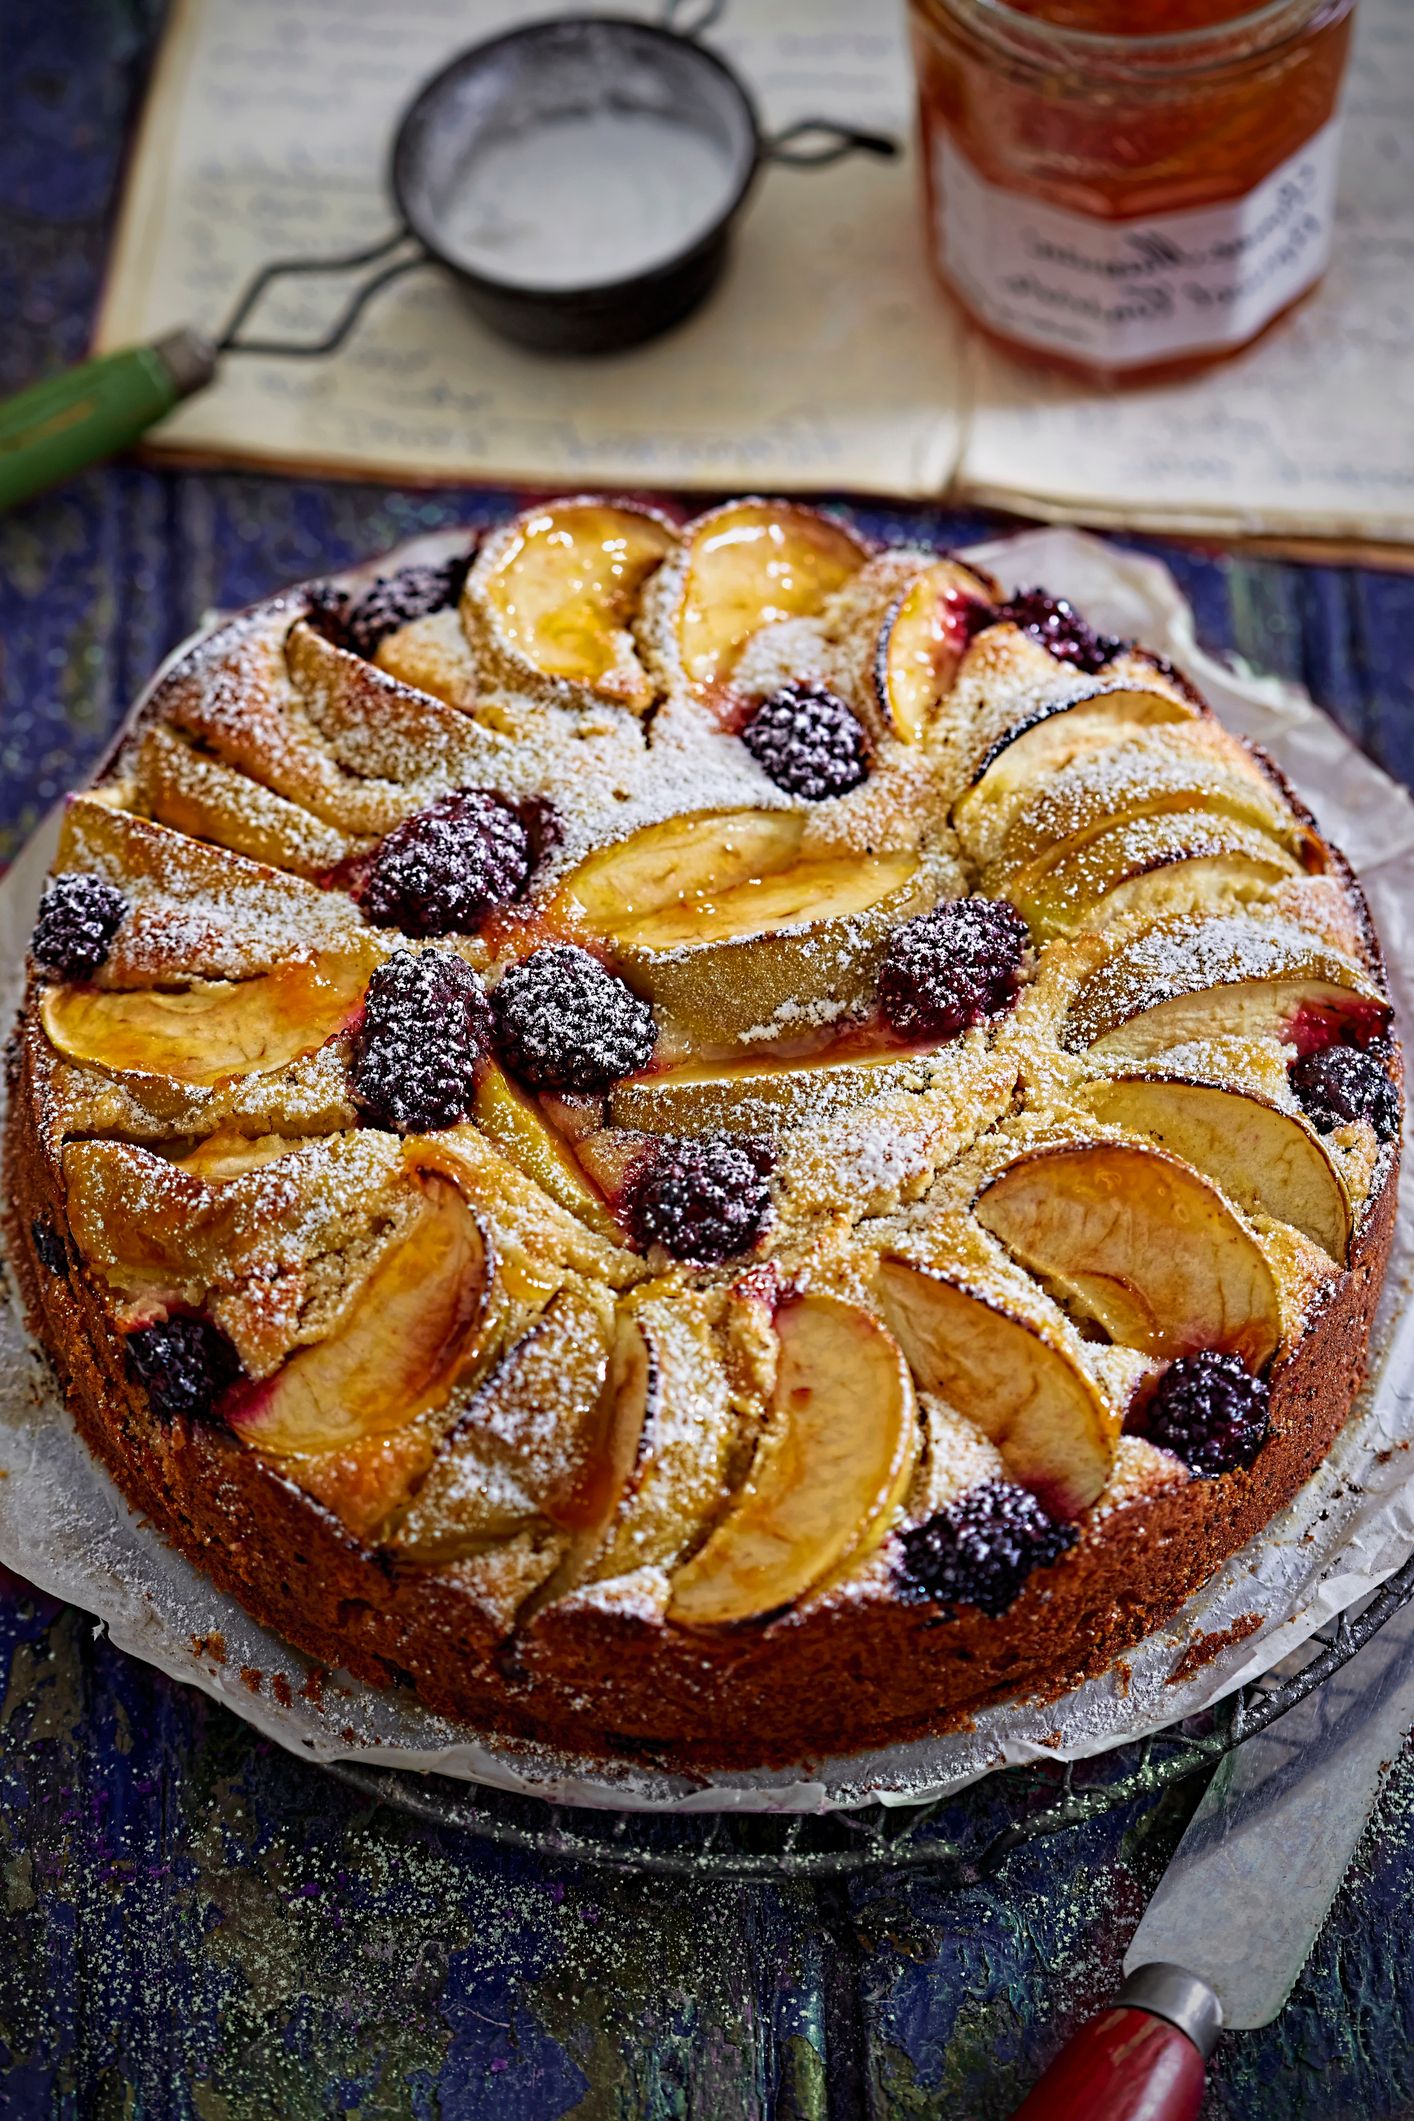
(1130, 188)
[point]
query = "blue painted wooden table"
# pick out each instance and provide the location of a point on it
(193, 1924)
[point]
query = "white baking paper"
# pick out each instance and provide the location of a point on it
(64, 1526)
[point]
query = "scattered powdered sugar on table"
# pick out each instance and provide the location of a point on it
(63, 1525)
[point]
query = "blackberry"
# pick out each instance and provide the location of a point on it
(565, 1023)
(184, 1365)
(442, 871)
(49, 1247)
(703, 1200)
(808, 742)
(79, 915)
(1210, 1411)
(425, 1031)
(361, 622)
(981, 1549)
(945, 970)
(1055, 624)
(396, 599)
(1341, 1083)
(327, 611)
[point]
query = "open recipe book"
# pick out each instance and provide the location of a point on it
(828, 360)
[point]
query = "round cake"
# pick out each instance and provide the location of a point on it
(707, 1143)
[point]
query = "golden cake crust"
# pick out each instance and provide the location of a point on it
(851, 1665)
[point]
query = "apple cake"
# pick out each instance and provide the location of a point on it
(704, 1142)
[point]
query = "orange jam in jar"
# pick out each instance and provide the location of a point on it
(1130, 188)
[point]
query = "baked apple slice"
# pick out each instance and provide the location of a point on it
(774, 956)
(211, 1030)
(528, 1448)
(683, 859)
(196, 794)
(1018, 1383)
(759, 1097)
(1028, 743)
(230, 1154)
(830, 1471)
(749, 564)
(924, 639)
(1228, 975)
(518, 1129)
(665, 1434)
(1182, 861)
(1141, 1243)
(718, 920)
(1268, 1161)
(405, 1333)
(1197, 768)
(552, 597)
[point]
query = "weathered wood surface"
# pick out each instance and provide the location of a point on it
(193, 1924)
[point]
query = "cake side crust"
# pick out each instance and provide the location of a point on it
(844, 1674)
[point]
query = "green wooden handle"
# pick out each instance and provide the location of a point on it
(56, 427)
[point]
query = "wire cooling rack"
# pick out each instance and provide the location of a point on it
(959, 1838)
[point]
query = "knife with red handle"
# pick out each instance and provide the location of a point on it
(1142, 2060)
(1244, 1898)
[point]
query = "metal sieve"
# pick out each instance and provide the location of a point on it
(579, 177)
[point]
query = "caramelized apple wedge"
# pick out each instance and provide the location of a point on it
(1191, 978)
(778, 954)
(1183, 861)
(684, 859)
(749, 564)
(230, 1154)
(830, 1471)
(1198, 767)
(1268, 1161)
(530, 1445)
(665, 1434)
(209, 1031)
(1141, 1243)
(196, 794)
(717, 919)
(1029, 744)
(516, 1126)
(922, 644)
(759, 1097)
(405, 1333)
(553, 595)
(1020, 1385)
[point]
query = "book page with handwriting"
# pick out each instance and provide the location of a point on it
(1310, 432)
(827, 358)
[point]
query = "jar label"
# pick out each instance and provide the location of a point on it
(1123, 293)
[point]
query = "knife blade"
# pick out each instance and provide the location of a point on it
(1246, 1893)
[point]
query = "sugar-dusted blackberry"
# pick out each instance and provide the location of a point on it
(944, 971)
(806, 740)
(563, 1022)
(981, 1549)
(49, 1247)
(396, 599)
(1342, 1083)
(1055, 624)
(442, 871)
(704, 1200)
(1210, 1411)
(425, 1032)
(184, 1365)
(79, 915)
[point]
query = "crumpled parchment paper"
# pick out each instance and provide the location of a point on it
(65, 1527)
